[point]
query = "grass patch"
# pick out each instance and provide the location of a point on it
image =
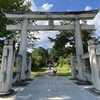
(63, 71)
(38, 71)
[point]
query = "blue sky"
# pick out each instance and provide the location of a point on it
(63, 5)
(73, 5)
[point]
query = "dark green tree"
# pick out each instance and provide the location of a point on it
(61, 47)
(39, 55)
(16, 5)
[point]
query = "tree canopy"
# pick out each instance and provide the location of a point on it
(64, 43)
(38, 56)
(16, 5)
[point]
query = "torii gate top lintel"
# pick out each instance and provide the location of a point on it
(53, 15)
(50, 17)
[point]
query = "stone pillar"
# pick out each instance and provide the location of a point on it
(28, 76)
(73, 66)
(94, 62)
(79, 48)
(19, 66)
(7, 67)
(23, 46)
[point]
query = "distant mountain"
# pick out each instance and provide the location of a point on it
(49, 50)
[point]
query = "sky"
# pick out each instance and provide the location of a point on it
(63, 6)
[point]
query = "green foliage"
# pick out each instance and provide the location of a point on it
(39, 56)
(86, 35)
(67, 37)
(16, 5)
(59, 48)
(63, 66)
(64, 70)
(63, 61)
(62, 52)
(38, 71)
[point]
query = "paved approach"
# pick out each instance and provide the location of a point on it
(49, 87)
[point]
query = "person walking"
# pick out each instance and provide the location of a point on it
(54, 70)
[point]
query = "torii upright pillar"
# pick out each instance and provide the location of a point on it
(79, 48)
(23, 46)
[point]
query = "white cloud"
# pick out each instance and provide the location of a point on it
(46, 7)
(96, 22)
(33, 7)
(44, 38)
(44, 41)
(88, 8)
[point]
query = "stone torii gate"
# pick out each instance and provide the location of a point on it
(50, 17)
